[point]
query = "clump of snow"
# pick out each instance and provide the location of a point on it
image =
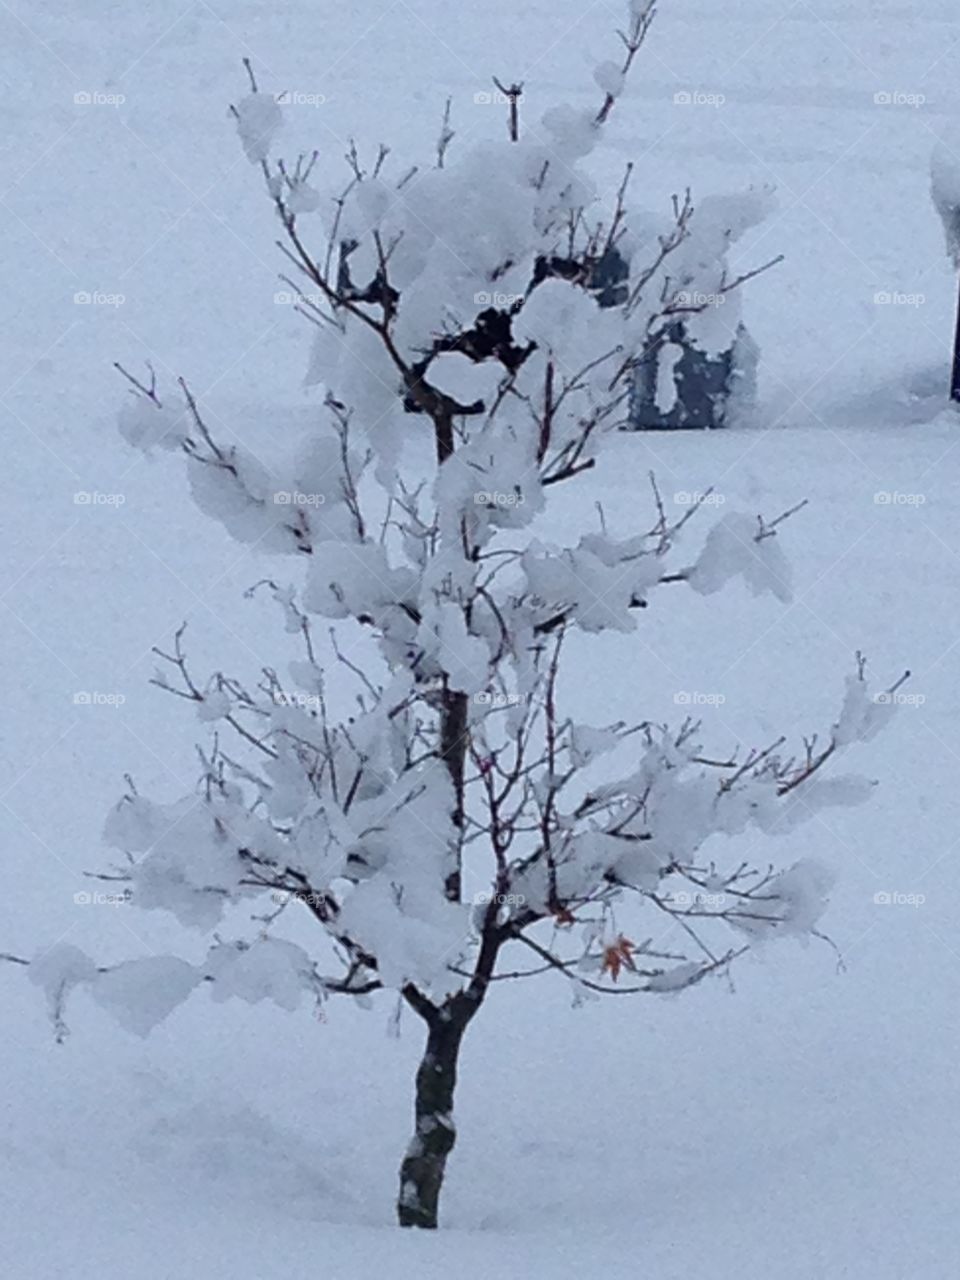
(610, 78)
(734, 550)
(740, 410)
(214, 706)
(675, 979)
(147, 425)
(586, 742)
(668, 357)
(267, 969)
(191, 863)
(350, 579)
(57, 971)
(259, 120)
(140, 994)
(863, 714)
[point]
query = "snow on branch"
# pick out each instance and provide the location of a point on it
(458, 826)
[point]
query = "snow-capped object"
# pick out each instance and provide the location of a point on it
(609, 77)
(668, 357)
(676, 979)
(57, 970)
(464, 657)
(267, 969)
(146, 425)
(259, 120)
(463, 379)
(574, 130)
(733, 550)
(863, 714)
(140, 994)
(190, 863)
(215, 705)
(302, 197)
(587, 743)
(353, 578)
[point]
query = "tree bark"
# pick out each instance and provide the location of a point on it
(453, 751)
(423, 1167)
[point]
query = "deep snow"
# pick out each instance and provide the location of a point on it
(805, 1125)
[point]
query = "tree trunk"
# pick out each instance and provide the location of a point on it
(421, 1174)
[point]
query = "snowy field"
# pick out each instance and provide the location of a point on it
(803, 1124)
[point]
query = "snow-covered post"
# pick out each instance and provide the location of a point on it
(451, 826)
(945, 189)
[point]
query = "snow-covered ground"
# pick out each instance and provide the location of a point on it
(805, 1124)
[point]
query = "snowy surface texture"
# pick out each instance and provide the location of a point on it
(804, 1125)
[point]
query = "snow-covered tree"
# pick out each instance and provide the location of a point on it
(458, 828)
